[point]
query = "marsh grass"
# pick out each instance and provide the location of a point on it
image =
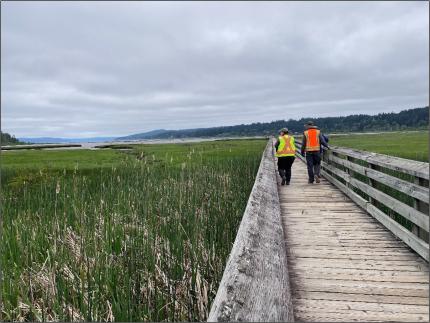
(404, 144)
(145, 238)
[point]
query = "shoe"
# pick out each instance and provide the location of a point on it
(283, 181)
(310, 182)
(317, 179)
(287, 183)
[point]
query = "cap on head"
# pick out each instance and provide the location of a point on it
(284, 130)
(309, 123)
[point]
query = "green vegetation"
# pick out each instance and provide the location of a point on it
(140, 235)
(410, 145)
(7, 139)
(20, 166)
(407, 119)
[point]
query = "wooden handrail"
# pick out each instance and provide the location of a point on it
(414, 190)
(255, 284)
(406, 166)
(340, 165)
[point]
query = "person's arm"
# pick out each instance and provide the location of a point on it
(302, 150)
(276, 144)
(322, 141)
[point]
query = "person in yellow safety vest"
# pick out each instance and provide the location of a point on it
(311, 144)
(286, 153)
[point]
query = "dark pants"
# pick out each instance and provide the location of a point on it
(284, 167)
(313, 160)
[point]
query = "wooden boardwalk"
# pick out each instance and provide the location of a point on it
(343, 264)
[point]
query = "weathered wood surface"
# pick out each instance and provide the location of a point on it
(413, 215)
(411, 167)
(332, 169)
(398, 230)
(343, 264)
(255, 284)
(416, 191)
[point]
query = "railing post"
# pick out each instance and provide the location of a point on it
(377, 193)
(334, 153)
(422, 207)
(325, 155)
(349, 172)
(372, 183)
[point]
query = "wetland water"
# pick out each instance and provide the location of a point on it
(96, 145)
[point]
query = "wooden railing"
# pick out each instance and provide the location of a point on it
(395, 191)
(255, 284)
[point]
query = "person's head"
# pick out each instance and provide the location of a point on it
(309, 124)
(283, 131)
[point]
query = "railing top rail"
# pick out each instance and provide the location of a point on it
(414, 190)
(407, 166)
(412, 167)
(255, 284)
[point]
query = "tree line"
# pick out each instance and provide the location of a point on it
(7, 139)
(417, 118)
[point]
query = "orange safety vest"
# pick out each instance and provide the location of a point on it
(312, 140)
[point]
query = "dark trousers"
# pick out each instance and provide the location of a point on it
(313, 161)
(284, 167)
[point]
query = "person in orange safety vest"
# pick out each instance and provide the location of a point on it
(311, 145)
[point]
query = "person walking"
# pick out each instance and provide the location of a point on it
(311, 145)
(286, 153)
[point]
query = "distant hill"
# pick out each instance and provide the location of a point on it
(7, 139)
(51, 140)
(417, 118)
(145, 135)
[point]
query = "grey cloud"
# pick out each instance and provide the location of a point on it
(115, 68)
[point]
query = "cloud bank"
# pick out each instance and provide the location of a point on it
(80, 69)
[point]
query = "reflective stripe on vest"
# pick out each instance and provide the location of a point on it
(312, 140)
(286, 146)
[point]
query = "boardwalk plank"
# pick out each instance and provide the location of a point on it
(379, 299)
(363, 306)
(344, 265)
(312, 315)
(363, 275)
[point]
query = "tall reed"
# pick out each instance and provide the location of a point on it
(144, 240)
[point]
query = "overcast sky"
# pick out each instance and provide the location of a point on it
(80, 69)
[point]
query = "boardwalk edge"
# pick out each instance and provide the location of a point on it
(255, 285)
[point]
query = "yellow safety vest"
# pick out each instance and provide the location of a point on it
(286, 146)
